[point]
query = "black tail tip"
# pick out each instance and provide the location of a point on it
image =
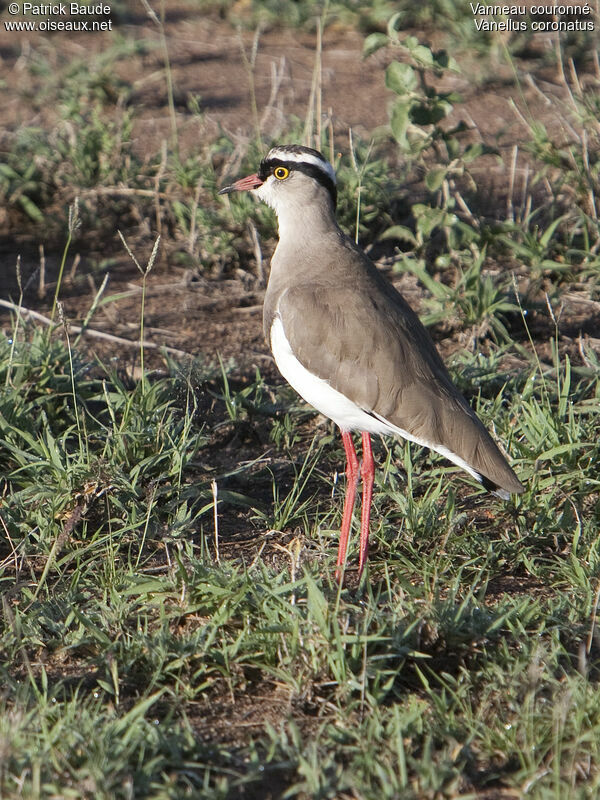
(499, 491)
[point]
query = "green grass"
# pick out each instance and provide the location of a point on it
(133, 662)
(170, 624)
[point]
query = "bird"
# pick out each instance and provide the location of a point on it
(349, 343)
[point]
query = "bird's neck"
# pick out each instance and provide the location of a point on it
(305, 223)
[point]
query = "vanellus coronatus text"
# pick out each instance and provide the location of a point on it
(349, 343)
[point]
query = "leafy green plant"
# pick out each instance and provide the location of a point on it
(86, 150)
(476, 298)
(418, 108)
(366, 184)
(123, 458)
(20, 185)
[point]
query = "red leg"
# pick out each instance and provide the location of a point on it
(352, 480)
(368, 476)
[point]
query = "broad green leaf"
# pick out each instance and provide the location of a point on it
(435, 178)
(400, 78)
(423, 55)
(399, 122)
(373, 43)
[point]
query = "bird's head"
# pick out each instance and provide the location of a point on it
(291, 177)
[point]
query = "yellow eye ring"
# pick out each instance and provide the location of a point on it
(281, 173)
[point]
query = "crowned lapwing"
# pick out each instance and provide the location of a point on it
(349, 343)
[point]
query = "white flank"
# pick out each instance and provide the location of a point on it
(333, 404)
(303, 158)
(316, 391)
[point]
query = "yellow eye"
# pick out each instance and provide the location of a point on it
(281, 173)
